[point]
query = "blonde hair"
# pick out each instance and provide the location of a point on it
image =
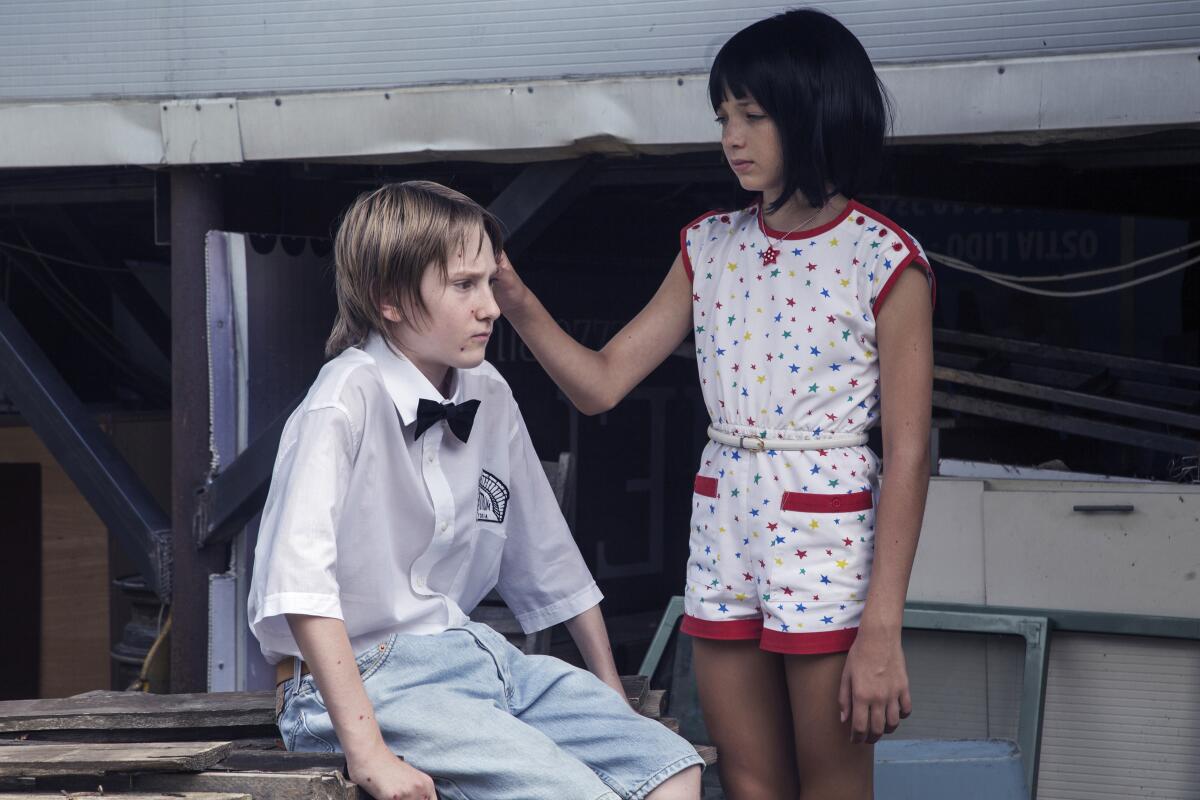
(386, 241)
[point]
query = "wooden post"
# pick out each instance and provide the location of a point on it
(196, 208)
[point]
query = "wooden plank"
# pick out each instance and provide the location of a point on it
(265, 736)
(708, 753)
(671, 723)
(656, 701)
(101, 759)
(280, 761)
(65, 795)
(138, 710)
(329, 785)
(636, 687)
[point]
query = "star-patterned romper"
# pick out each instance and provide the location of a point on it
(782, 539)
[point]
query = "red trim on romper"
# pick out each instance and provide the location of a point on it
(767, 230)
(913, 257)
(706, 486)
(683, 235)
(772, 641)
(808, 643)
(727, 629)
(825, 503)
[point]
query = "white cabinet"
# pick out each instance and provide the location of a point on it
(1123, 548)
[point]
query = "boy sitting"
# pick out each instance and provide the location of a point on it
(406, 488)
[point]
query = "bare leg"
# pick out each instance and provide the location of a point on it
(680, 786)
(743, 693)
(831, 768)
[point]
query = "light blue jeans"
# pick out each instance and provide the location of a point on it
(486, 721)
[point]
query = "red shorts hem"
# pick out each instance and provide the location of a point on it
(722, 629)
(808, 643)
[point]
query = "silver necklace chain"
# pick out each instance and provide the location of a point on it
(771, 254)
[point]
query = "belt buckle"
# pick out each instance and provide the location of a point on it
(758, 446)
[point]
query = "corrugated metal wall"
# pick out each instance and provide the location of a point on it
(59, 49)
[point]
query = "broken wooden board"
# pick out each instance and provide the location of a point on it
(280, 761)
(104, 711)
(654, 704)
(23, 760)
(636, 687)
(330, 785)
(124, 796)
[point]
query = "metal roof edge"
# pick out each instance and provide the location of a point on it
(1029, 99)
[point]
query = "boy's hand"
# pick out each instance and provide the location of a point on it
(386, 777)
(509, 290)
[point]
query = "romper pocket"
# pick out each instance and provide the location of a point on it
(826, 503)
(705, 486)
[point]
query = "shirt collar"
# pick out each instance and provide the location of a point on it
(406, 384)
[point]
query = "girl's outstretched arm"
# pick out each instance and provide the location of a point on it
(596, 380)
(874, 693)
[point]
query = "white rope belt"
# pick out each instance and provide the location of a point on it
(760, 444)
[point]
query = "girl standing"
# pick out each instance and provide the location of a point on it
(805, 314)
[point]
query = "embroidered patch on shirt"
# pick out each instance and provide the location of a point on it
(493, 498)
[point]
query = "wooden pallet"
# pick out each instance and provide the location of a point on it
(146, 747)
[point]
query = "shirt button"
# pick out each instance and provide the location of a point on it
(445, 525)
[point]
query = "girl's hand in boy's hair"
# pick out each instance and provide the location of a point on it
(509, 290)
(386, 777)
(874, 692)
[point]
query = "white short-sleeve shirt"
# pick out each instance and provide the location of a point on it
(391, 534)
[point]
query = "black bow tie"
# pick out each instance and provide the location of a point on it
(459, 417)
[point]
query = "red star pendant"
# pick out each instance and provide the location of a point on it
(768, 256)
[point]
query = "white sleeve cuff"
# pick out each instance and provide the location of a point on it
(316, 605)
(561, 611)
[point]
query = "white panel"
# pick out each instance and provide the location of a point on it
(949, 562)
(55, 134)
(963, 685)
(1110, 95)
(1041, 553)
(1122, 719)
(948, 682)
(201, 131)
(167, 48)
(222, 633)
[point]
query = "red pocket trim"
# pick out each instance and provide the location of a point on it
(826, 503)
(706, 486)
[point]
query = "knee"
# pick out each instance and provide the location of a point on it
(741, 784)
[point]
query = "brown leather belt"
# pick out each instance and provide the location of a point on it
(285, 670)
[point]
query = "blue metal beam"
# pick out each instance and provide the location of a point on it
(85, 453)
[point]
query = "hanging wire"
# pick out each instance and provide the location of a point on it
(60, 259)
(79, 304)
(100, 335)
(965, 267)
(1015, 282)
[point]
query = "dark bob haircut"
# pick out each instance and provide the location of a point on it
(815, 81)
